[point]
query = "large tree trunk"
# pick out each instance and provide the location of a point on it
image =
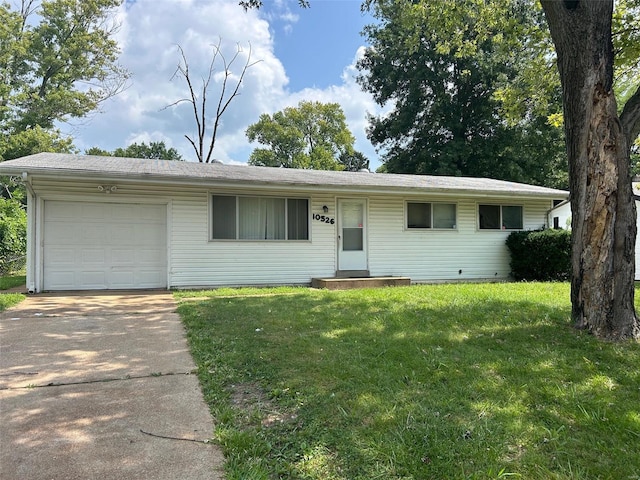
(602, 206)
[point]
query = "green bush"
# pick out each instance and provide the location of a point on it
(13, 233)
(541, 255)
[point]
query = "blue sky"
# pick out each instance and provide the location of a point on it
(321, 42)
(305, 54)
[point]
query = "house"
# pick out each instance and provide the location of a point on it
(560, 217)
(121, 223)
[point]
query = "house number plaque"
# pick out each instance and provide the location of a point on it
(323, 218)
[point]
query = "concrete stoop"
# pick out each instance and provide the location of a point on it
(359, 282)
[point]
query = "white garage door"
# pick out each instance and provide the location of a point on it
(95, 246)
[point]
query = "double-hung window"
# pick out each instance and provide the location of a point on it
(500, 217)
(259, 218)
(422, 215)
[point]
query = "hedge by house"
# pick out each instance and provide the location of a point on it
(542, 255)
(13, 233)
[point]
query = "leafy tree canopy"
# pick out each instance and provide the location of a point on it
(156, 150)
(312, 135)
(13, 232)
(57, 62)
(452, 114)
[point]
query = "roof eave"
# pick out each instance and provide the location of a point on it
(80, 175)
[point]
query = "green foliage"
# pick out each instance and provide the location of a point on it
(444, 66)
(9, 300)
(461, 381)
(354, 161)
(45, 61)
(13, 233)
(34, 140)
(57, 62)
(154, 150)
(626, 39)
(11, 281)
(540, 255)
(312, 135)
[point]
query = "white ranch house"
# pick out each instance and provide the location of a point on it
(121, 223)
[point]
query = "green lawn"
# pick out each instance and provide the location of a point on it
(9, 299)
(423, 382)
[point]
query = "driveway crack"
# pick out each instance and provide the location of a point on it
(99, 380)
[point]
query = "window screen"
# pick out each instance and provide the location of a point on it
(444, 215)
(224, 217)
(512, 218)
(418, 215)
(298, 219)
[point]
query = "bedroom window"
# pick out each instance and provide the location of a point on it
(259, 218)
(422, 215)
(500, 217)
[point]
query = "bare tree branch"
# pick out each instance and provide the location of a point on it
(199, 103)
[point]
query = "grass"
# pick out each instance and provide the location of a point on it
(9, 299)
(424, 382)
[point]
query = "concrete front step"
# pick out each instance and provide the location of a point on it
(362, 282)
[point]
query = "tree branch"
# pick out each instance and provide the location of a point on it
(223, 107)
(184, 71)
(630, 117)
(199, 105)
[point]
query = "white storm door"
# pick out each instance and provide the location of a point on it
(352, 234)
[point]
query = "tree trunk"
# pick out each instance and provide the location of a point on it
(602, 206)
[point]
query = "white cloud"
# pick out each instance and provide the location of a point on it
(149, 35)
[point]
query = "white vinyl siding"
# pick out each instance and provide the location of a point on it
(198, 262)
(194, 261)
(432, 255)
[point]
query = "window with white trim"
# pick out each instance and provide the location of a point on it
(236, 217)
(500, 217)
(422, 215)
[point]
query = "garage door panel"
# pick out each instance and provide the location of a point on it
(62, 256)
(94, 212)
(122, 278)
(123, 234)
(146, 278)
(61, 211)
(94, 234)
(148, 234)
(93, 256)
(92, 279)
(151, 257)
(104, 246)
(123, 256)
(64, 279)
(64, 231)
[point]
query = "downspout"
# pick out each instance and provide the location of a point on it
(31, 230)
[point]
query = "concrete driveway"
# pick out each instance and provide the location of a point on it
(101, 386)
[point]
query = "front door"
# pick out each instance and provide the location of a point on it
(352, 234)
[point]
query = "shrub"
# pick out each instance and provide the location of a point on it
(13, 233)
(541, 255)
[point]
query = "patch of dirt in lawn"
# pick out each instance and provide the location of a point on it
(250, 398)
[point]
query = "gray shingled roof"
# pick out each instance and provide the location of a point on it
(58, 164)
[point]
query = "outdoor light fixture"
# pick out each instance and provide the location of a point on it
(107, 188)
(325, 209)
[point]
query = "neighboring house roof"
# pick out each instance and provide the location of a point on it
(66, 165)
